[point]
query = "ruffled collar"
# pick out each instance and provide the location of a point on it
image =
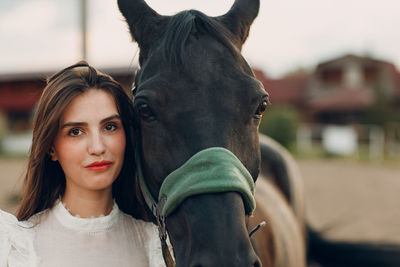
(92, 225)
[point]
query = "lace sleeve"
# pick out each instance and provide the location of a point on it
(16, 242)
(5, 244)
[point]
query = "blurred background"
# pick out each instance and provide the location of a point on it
(331, 68)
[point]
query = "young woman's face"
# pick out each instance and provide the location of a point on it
(90, 143)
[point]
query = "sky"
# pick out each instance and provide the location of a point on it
(44, 35)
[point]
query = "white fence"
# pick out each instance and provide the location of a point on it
(16, 144)
(351, 140)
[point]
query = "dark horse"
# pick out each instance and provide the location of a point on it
(198, 107)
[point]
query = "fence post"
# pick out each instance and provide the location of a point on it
(376, 143)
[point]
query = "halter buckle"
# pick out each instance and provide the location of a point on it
(162, 231)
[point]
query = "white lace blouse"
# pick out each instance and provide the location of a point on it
(56, 238)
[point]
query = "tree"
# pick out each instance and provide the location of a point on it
(280, 123)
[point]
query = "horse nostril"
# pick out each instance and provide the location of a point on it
(257, 263)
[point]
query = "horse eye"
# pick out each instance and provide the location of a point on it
(145, 111)
(262, 107)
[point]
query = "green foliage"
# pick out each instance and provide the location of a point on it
(280, 123)
(14, 198)
(381, 112)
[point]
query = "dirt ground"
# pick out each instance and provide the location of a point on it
(352, 200)
(11, 177)
(345, 200)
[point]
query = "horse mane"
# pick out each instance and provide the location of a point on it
(192, 23)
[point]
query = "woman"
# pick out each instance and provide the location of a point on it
(79, 186)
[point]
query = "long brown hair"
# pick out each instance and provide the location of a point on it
(45, 181)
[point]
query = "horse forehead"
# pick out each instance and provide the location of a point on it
(197, 73)
(199, 86)
(203, 68)
(199, 53)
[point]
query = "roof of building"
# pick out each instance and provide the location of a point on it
(366, 60)
(342, 100)
(22, 100)
(19, 92)
(42, 75)
(396, 76)
(287, 90)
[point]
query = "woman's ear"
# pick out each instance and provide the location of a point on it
(52, 154)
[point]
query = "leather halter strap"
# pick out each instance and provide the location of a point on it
(155, 208)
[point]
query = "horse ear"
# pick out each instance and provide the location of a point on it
(144, 23)
(240, 17)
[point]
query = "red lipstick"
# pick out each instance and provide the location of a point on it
(99, 165)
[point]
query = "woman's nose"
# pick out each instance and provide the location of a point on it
(96, 145)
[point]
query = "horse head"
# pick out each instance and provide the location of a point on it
(198, 106)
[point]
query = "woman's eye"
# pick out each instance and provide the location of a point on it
(75, 132)
(110, 127)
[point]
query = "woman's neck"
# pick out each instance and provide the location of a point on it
(89, 204)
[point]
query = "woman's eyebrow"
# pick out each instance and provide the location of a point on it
(116, 116)
(68, 124)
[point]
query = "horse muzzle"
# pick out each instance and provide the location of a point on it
(214, 175)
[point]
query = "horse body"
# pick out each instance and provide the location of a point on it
(279, 195)
(288, 240)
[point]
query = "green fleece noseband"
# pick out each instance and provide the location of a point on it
(213, 170)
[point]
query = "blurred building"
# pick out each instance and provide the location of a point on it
(345, 103)
(19, 94)
(339, 91)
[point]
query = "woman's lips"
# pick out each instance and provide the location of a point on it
(99, 165)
